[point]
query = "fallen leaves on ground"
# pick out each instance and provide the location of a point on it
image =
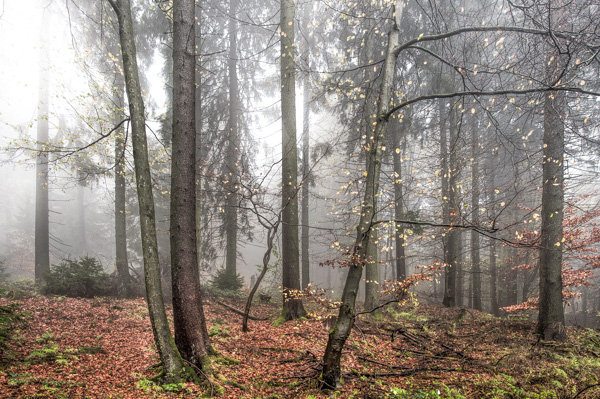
(103, 348)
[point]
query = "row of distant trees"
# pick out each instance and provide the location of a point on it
(454, 117)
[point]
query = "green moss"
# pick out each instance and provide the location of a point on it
(279, 321)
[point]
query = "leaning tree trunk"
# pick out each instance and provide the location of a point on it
(188, 312)
(292, 303)
(172, 363)
(551, 318)
(372, 261)
(340, 332)
(42, 223)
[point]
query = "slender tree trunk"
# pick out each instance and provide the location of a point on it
(493, 255)
(551, 318)
(475, 255)
(232, 154)
(292, 304)
(173, 365)
(397, 154)
(460, 276)
(451, 211)
(188, 312)
(339, 334)
(371, 263)
(122, 264)
(42, 222)
(81, 244)
(306, 183)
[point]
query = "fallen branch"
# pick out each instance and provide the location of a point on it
(241, 313)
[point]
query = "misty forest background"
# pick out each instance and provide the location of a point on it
(348, 154)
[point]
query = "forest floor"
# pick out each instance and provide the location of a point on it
(103, 348)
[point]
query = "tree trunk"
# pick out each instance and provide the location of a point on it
(305, 183)
(551, 318)
(494, 309)
(232, 154)
(397, 154)
(188, 312)
(198, 114)
(340, 332)
(81, 241)
(475, 256)
(122, 264)
(172, 363)
(42, 222)
(451, 211)
(292, 303)
(370, 116)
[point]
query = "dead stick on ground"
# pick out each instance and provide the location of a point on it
(241, 313)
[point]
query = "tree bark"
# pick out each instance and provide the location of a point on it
(122, 264)
(292, 303)
(551, 318)
(397, 154)
(340, 332)
(475, 255)
(450, 208)
(188, 312)
(198, 114)
(232, 154)
(42, 221)
(371, 261)
(172, 363)
(305, 230)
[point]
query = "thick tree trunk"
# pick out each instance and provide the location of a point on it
(292, 304)
(198, 114)
(42, 222)
(188, 312)
(232, 154)
(475, 255)
(551, 318)
(340, 332)
(173, 365)
(122, 264)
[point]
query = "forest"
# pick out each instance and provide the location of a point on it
(300, 198)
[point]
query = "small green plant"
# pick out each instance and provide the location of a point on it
(227, 281)
(84, 278)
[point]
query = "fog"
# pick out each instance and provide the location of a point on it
(461, 160)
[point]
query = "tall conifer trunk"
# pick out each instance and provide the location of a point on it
(42, 221)
(232, 154)
(191, 335)
(122, 264)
